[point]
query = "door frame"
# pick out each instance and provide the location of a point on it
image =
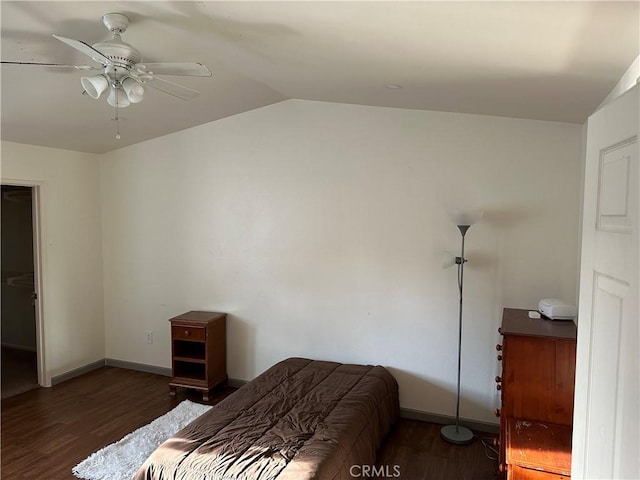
(37, 201)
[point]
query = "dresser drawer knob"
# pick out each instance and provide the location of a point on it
(498, 347)
(187, 333)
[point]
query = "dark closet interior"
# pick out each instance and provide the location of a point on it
(19, 347)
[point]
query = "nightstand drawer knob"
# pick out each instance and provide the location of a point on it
(187, 333)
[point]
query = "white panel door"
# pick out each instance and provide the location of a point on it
(606, 428)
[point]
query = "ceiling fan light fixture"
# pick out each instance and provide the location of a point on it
(133, 90)
(94, 85)
(118, 98)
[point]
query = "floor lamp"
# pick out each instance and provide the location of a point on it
(458, 434)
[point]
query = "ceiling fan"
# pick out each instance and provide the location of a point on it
(124, 74)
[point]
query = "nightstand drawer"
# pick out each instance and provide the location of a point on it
(195, 334)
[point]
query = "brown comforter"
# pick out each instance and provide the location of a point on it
(300, 419)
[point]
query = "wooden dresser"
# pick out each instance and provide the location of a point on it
(537, 384)
(198, 351)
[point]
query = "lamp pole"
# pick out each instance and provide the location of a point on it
(457, 434)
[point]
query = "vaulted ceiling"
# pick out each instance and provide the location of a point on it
(543, 60)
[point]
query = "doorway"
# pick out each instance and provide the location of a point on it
(18, 292)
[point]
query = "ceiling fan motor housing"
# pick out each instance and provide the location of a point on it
(120, 53)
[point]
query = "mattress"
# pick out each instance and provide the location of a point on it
(300, 419)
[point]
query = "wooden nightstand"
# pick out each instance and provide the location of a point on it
(198, 351)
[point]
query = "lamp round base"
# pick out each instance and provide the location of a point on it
(457, 435)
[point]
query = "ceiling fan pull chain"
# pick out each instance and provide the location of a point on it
(116, 85)
(117, 119)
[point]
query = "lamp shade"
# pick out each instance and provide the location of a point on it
(465, 217)
(117, 98)
(133, 89)
(95, 85)
(447, 259)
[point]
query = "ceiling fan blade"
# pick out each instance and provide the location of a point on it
(185, 93)
(192, 69)
(57, 65)
(86, 49)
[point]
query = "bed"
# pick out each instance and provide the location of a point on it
(301, 419)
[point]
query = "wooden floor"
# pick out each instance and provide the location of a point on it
(47, 431)
(420, 454)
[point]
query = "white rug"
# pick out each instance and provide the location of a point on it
(120, 460)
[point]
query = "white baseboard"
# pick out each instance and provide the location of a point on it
(76, 372)
(475, 425)
(140, 367)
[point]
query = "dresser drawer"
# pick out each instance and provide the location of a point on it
(195, 334)
(519, 473)
(536, 447)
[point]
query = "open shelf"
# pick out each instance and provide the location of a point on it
(189, 369)
(188, 350)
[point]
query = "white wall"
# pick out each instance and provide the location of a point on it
(319, 228)
(72, 295)
(630, 78)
